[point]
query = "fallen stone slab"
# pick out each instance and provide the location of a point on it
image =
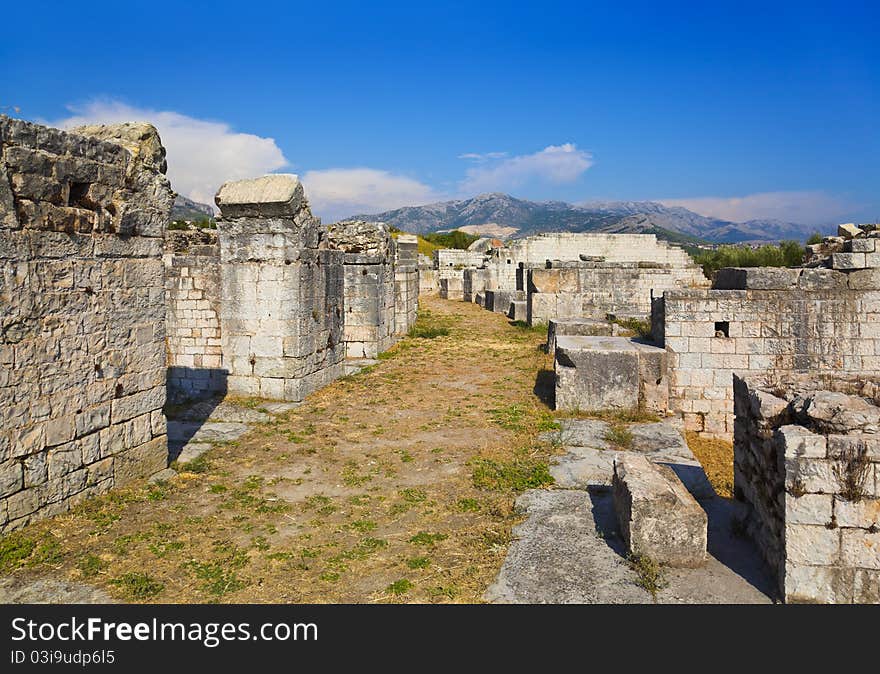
(163, 475)
(519, 311)
(224, 411)
(657, 516)
(210, 431)
(192, 451)
(569, 550)
(281, 407)
(276, 195)
(558, 557)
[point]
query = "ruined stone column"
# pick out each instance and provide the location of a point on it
(369, 297)
(281, 289)
(406, 281)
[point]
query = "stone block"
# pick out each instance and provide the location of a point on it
(812, 544)
(849, 230)
(822, 279)
(860, 548)
(140, 462)
(657, 515)
(596, 373)
(859, 246)
(847, 261)
(271, 196)
(864, 279)
(756, 278)
(805, 584)
(797, 441)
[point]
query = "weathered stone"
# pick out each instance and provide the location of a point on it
(849, 230)
(658, 517)
(272, 196)
(864, 279)
(847, 261)
(84, 331)
(596, 373)
(756, 278)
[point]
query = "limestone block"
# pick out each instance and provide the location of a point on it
(822, 279)
(849, 230)
(137, 404)
(756, 278)
(848, 261)
(860, 548)
(657, 515)
(140, 462)
(859, 246)
(595, 373)
(11, 477)
(865, 279)
(93, 419)
(797, 441)
(271, 196)
(811, 544)
(815, 584)
(864, 514)
(808, 509)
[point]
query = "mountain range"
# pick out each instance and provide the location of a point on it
(187, 209)
(673, 223)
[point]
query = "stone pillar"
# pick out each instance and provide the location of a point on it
(281, 314)
(369, 296)
(82, 313)
(406, 282)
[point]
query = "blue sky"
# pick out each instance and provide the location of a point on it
(736, 110)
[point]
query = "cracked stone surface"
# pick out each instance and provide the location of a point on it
(569, 550)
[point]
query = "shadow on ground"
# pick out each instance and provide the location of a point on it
(545, 387)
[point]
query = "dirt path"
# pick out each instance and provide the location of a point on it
(396, 484)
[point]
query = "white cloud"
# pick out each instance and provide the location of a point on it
(339, 192)
(484, 156)
(555, 164)
(201, 154)
(806, 207)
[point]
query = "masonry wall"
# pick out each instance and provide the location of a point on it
(406, 283)
(594, 289)
(429, 280)
(281, 316)
(450, 261)
(82, 309)
(369, 286)
(807, 462)
(780, 321)
(192, 318)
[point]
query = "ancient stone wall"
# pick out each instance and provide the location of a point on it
(594, 289)
(770, 321)
(450, 261)
(82, 313)
(429, 280)
(807, 461)
(192, 318)
(369, 286)
(406, 283)
(281, 315)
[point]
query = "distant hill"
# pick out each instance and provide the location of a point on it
(187, 209)
(672, 223)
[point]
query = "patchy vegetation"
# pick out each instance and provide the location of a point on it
(394, 484)
(786, 254)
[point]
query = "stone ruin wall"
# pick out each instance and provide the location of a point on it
(807, 462)
(449, 262)
(778, 321)
(82, 342)
(192, 317)
(281, 316)
(369, 286)
(429, 280)
(594, 289)
(406, 283)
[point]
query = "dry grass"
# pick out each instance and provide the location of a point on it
(717, 459)
(393, 485)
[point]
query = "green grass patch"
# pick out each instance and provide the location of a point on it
(90, 565)
(517, 475)
(418, 562)
(425, 538)
(468, 505)
(137, 586)
(399, 587)
(619, 436)
(15, 548)
(650, 576)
